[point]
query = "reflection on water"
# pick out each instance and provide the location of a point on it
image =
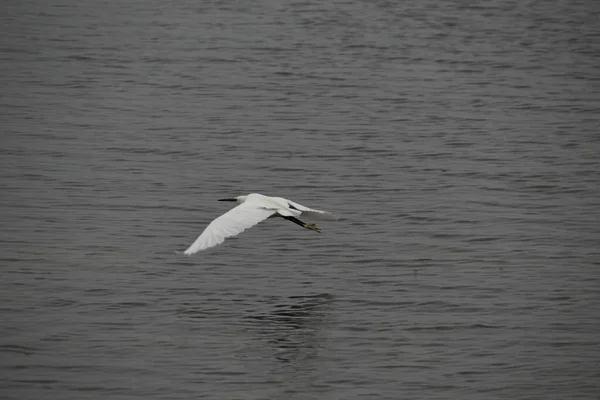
(291, 329)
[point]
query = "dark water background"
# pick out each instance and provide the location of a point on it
(459, 140)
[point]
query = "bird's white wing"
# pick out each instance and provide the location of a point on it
(231, 223)
(312, 213)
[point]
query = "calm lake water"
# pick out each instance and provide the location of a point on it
(459, 142)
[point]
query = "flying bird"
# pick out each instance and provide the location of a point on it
(253, 208)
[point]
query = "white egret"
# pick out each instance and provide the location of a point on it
(253, 208)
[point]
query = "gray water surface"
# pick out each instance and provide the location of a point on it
(458, 140)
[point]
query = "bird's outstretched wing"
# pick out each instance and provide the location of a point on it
(231, 223)
(311, 212)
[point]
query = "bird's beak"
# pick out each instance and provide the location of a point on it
(234, 199)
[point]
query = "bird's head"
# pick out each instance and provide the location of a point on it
(239, 199)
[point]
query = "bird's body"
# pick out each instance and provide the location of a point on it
(253, 208)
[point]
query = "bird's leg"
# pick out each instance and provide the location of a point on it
(295, 220)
